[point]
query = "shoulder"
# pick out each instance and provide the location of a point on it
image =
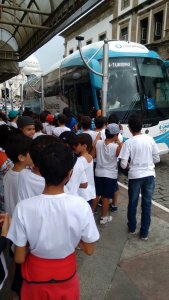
(25, 172)
(28, 204)
(77, 203)
(99, 143)
(84, 161)
(148, 137)
(8, 175)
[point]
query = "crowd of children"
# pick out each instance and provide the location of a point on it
(60, 169)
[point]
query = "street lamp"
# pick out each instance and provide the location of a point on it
(104, 73)
(10, 82)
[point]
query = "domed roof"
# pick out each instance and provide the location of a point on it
(31, 66)
(31, 61)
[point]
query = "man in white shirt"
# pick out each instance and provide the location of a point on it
(143, 153)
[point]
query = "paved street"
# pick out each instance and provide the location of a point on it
(161, 194)
(125, 267)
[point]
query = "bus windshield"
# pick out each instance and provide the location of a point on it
(138, 84)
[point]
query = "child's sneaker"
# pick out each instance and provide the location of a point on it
(113, 208)
(144, 238)
(105, 220)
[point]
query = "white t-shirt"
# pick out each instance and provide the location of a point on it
(89, 193)
(49, 129)
(13, 124)
(141, 149)
(10, 183)
(39, 133)
(44, 127)
(120, 137)
(92, 133)
(2, 123)
(29, 184)
(78, 176)
(53, 225)
(58, 130)
(106, 160)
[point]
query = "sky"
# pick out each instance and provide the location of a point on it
(50, 53)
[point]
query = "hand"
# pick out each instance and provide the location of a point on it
(5, 219)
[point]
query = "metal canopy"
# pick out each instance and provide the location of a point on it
(26, 25)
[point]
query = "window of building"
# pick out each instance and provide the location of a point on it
(158, 25)
(124, 34)
(125, 4)
(144, 31)
(102, 36)
(70, 51)
(88, 42)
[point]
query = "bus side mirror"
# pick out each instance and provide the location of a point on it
(95, 79)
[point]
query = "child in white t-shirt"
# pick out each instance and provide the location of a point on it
(100, 125)
(30, 182)
(52, 224)
(78, 179)
(38, 129)
(49, 127)
(17, 149)
(61, 120)
(86, 125)
(106, 171)
(83, 149)
(113, 118)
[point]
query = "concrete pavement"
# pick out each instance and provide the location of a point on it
(125, 267)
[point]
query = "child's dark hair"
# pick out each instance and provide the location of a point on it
(39, 144)
(100, 122)
(43, 116)
(62, 119)
(108, 135)
(85, 139)
(135, 122)
(113, 119)
(5, 132)
(67, 113)
(17, 144)
(38, 125)
(85, 122)
(56, 161)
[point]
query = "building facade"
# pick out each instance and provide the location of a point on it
(142, 21)
(145, 22)
(94, 26)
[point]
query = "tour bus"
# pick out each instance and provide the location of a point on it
(137, 83)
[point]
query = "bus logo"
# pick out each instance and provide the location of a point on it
(118, 46)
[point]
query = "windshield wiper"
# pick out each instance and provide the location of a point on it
(132, 104)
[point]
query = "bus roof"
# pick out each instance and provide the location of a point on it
(53, 67)
(116, 49)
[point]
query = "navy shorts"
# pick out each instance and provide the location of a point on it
(106, 187)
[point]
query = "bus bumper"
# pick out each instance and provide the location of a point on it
(163, 148)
